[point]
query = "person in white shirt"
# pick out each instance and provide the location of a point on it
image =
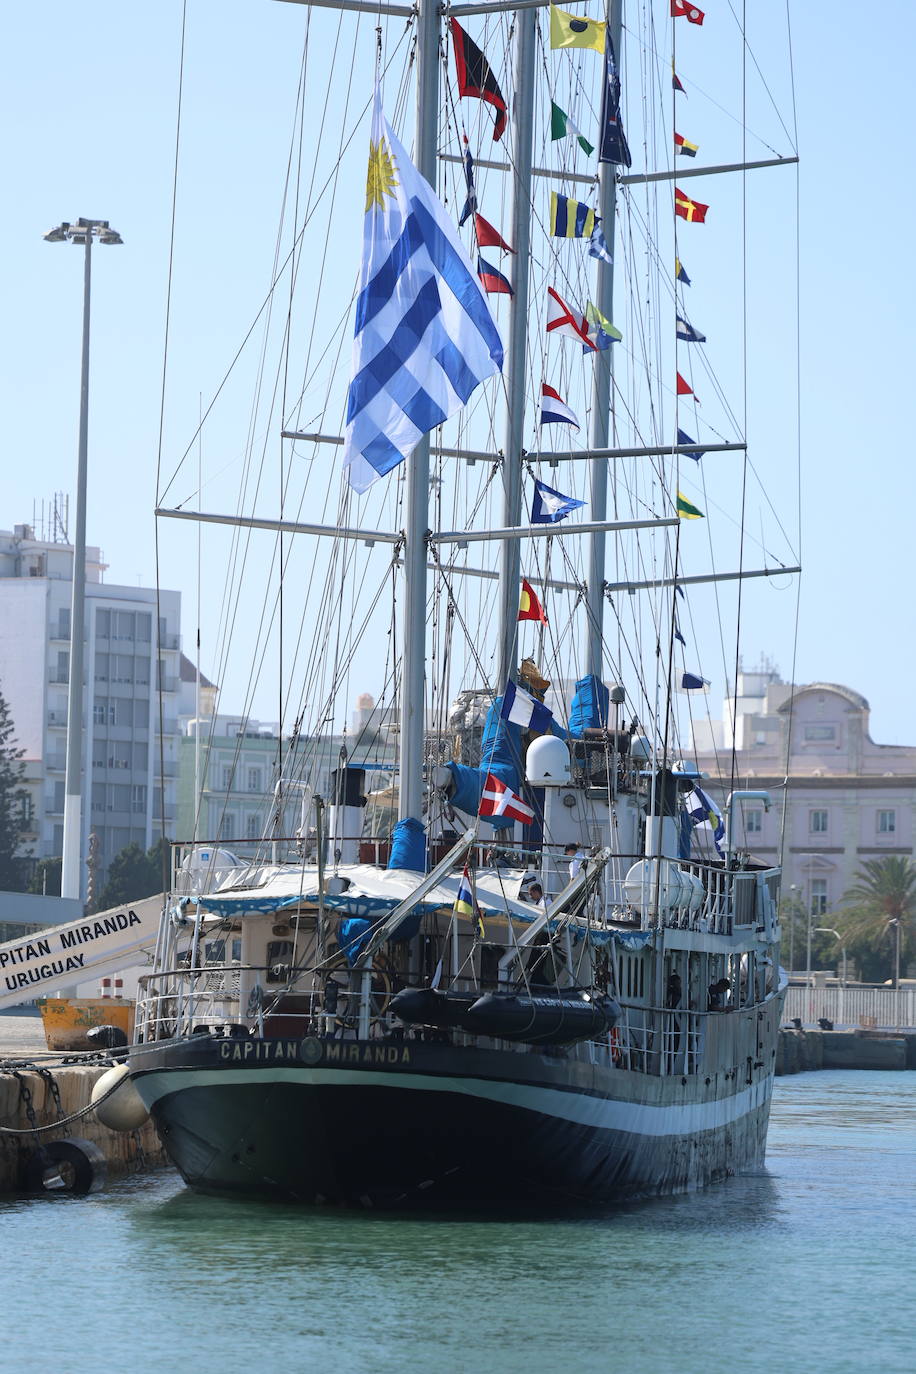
(577, 857)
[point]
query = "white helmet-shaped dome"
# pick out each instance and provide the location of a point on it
(547, 762)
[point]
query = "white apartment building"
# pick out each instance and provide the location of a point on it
(130, 767)
(845, 798)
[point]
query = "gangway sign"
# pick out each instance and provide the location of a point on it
(92, 946)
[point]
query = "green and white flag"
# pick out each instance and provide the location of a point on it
(561, 125)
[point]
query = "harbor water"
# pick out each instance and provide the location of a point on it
(807, 1266)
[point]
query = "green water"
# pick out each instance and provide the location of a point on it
(806, 1267)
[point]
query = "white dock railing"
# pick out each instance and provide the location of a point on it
(877, 1008)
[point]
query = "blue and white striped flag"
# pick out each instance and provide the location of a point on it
(424, 335)
(523, 709)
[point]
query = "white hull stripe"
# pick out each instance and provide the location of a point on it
(611, 1114)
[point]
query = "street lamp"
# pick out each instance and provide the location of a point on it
(82, 232)
(828, 930)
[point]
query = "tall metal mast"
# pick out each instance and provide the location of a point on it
(599, 427)
(410, 790)
(522, 125)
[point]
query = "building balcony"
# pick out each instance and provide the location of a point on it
(56, 763)
(56, 676)
(170, 642)
(57, 720)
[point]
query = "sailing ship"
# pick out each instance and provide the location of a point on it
(556, 977)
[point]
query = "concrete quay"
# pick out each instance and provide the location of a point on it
(801, 1051)
(22, 1042)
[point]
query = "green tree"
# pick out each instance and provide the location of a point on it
(46, 877)
(878, 911)
(793, 920)
(134, 874)
(14, 821)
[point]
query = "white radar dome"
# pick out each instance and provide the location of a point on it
(547, 762)
(640, 749)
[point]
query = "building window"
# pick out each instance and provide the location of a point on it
(122, 624)
(120, 754)
(102, 623)
(887, 822)
(122, 668)
(817, 822)
(227, 777)
(138, 798)
(26, 808)
(818, 896)
(254, 779)
(227, 827)
(753, 822)
(99, 713)
(253, 827)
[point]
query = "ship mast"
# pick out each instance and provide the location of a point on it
(516, 369)
(599, 424)
(410, 788)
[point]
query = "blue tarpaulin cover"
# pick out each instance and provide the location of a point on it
(408, 846)
(589, 710)
(500, 754)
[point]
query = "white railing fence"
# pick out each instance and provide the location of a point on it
(872, 1008)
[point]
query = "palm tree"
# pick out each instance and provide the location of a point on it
(882, 904)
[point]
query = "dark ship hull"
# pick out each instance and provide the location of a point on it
(406, 1124)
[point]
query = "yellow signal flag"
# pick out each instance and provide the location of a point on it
(686, 510)
(573, 31)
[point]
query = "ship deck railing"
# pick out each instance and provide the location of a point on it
(731, 894)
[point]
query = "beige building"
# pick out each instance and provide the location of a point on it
(841, 798)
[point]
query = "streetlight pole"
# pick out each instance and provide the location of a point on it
(793, 898)
(828, 930)
(71, 882)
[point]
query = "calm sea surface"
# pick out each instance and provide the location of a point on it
(809, 1266)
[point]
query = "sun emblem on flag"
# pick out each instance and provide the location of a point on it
(380, 179)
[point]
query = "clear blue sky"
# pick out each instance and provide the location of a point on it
(89, 107)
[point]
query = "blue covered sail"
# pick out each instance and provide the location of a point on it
(589, 710)
(408, 845)
(500, 754)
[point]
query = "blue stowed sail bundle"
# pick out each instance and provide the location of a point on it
(589, 710)
(500, 754)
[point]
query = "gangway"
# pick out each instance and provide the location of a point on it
(58, 957)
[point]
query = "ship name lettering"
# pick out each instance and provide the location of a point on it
(336, 1051)
(259, 1049)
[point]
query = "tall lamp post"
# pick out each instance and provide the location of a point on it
(828, 930)
(82, 232)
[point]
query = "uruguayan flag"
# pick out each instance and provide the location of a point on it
(425, 337)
